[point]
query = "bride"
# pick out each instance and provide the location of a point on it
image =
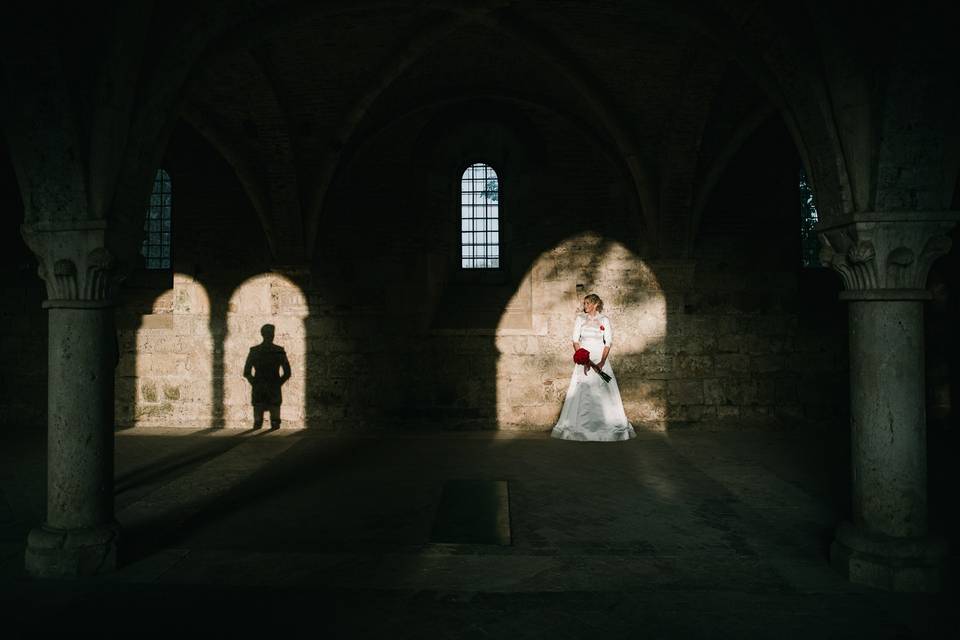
(593, 409)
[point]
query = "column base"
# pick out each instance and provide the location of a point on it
(884, 562)
(68, 553)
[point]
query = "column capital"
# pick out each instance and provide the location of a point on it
(885, 255)
(79, 269)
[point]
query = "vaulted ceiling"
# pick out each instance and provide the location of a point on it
(287, 106)
(287, 90)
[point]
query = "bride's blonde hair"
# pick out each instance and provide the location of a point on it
(595, 299)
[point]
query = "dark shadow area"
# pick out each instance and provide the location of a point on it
(23, 388)
(155, 472)
(297, 501)
(473, 512)
(23, 381)
(112, 608)
(291, 469)
(942, 319)
(706, 518)
(785, 360)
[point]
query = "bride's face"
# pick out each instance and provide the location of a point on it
(589, 307)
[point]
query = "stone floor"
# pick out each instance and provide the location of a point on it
(684, 534)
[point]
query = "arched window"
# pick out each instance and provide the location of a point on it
(156, 227)
(809, 244)
(479, 218)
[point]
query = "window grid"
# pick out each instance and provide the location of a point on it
(156, 227)
(809, 244)
(479, 218)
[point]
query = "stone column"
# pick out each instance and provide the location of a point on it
(79, 534)
(884, 258)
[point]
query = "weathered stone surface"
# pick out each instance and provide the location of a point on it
(78, 536)
(684, 392)
(883, 258)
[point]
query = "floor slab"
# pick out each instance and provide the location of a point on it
(682, 534)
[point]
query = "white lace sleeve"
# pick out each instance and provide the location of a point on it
(607, 331)
(576, 328)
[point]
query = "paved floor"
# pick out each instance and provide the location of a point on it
(686, 534)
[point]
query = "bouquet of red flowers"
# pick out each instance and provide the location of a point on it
(582, 356)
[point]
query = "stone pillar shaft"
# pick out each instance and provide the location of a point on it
(80, 418)
(887, 417)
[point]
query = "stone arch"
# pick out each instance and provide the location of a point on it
(493, 17)
(760, 134)
(244, 166)
(266, 170)
(804, 103)
(711, 176)
(492, 123)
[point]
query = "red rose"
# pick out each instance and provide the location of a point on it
(601, 327)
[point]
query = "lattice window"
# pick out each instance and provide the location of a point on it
(809, 244)
(156, 227)
(479, 218)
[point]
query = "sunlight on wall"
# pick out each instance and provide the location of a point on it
(534, 366)
(171, 361)
(264, 299)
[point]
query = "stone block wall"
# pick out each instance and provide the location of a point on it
(177, 369)
(678, 360)
(165, 375)
(382, 333)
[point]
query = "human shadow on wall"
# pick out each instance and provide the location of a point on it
(267, 369)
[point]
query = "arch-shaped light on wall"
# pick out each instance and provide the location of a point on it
(171, 361)
(268, 298)
(534, 366)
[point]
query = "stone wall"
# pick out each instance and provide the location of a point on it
(384, 333)
(381, 335)
(689, 348)
(176, 370)
(23, 347)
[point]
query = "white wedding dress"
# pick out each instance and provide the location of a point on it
(593, 409)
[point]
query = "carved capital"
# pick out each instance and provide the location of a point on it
(885, 255)
(75, 262)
